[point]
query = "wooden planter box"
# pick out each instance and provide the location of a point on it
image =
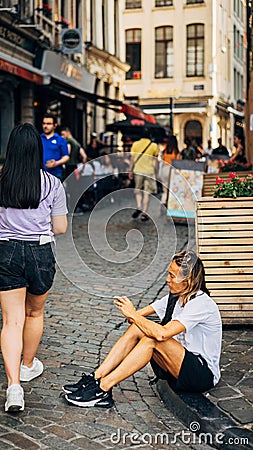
(209, 180)
(224, 239)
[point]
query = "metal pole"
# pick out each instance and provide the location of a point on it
(171, 115)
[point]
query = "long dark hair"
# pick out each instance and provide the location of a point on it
(172, 145)
(20, 179)
(192, 271)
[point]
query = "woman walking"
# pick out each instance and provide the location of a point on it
(32, 210)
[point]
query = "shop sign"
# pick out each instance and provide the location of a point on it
(6, 66)
(66, 71)
(72, 41)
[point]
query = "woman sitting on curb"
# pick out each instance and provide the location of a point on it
(186, 349)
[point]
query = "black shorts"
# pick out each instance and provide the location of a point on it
(26, 264)
(194, 375)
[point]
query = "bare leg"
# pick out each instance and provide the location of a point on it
(119, 351)
(33, 328)
(171, 351)
(145, 201)
(13, 313)
(138, 196)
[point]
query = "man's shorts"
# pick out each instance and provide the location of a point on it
(26, 264)
(194, 375)
(146, 183)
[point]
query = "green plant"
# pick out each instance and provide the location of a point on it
(234, 186)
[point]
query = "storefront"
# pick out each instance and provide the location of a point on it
(66, 94)
(17, 81)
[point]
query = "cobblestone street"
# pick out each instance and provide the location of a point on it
(80, 328)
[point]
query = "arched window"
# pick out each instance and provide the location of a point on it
(133, 53)
(164, 53)
(193, 131)
(195, 50)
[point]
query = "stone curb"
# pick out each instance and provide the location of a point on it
(199, 414)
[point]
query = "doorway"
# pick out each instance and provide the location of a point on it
(193, 131)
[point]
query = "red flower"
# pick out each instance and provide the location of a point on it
(232, 175)
(219, 180)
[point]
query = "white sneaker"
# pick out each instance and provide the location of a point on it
(29, 373)
(14, 398)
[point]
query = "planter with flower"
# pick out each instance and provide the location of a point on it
(224, 237)
(232, 166)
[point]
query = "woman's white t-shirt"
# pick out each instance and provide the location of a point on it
(203, 327)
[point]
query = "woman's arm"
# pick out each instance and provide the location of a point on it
(149, 328)
(146, 311)
(59, 224)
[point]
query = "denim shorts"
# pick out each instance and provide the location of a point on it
(26, 264)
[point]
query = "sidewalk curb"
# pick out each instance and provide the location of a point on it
(198, 413)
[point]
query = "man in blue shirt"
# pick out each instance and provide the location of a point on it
(55, 149)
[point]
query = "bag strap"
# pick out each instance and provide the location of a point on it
(140, 155)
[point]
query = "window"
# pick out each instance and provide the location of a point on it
(164, 54)
(195, 50)
(133, 4)
(192, 2)
(133, 53)
(163, 2)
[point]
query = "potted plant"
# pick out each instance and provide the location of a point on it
(224, 238)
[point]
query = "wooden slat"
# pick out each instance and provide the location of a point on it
(227, 263)
(226, 284)
(243, 314)
(228, 270)
(220, 227)
(227, 220)
(237, 320)
(226, 212)
(233, 241)
(225, 234)
(234, 278)
(229, 199)
(237, 307)
(225, 205)
(230, 293)
(226, 249)
(232, 300)
(215, 256)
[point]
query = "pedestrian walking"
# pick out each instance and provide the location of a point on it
(55, 149)
(32, 210)
(144, 154)
(221, 150)
(186, 349)
(76, 152)
(188, 151)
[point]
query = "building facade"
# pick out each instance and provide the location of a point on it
(188, 57)
(44, 70)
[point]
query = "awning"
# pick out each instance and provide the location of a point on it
(135, 127)
(20, 69)
(179, 108)
(236, 112)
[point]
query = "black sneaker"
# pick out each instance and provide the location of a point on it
(83, 382)
(93, 396)
(136, 213)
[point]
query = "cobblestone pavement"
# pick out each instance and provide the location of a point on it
(80, 328)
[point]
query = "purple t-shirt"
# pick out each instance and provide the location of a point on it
(30, 224)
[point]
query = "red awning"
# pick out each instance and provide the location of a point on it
(19, 71)
(132, 111)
